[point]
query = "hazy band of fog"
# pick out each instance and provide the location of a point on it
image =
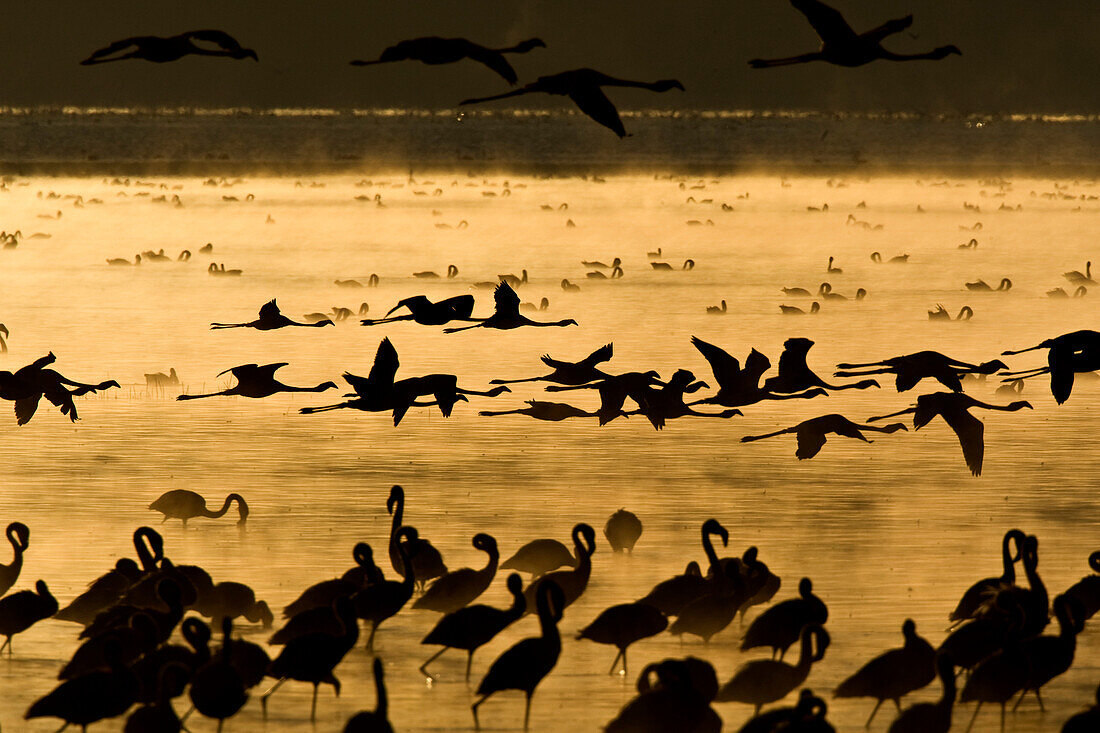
(198, 142)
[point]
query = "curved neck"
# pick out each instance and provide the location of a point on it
(381, 705)
(708, 549)
(1009, 575)
(490, 568)
(221, 512)
(398, 511)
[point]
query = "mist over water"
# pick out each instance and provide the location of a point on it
(895, 529)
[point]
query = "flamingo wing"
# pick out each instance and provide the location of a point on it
(220, 38)
(245, 369)
(269, 310)
(122, 45)
(971, 433)
(827, 22)
(505, 299)
(598, 356)
(888, 28)
(809, 443)
(461, 305)
(267, 371)
(26, 407)
(493, 59)
(593, 102)
(385, 366)
(724, 366)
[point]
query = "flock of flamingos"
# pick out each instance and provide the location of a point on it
(130, 662)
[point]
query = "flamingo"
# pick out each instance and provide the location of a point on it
(434, 50)
(171, 48)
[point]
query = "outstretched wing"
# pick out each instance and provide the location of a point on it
(237, 371)
(269, 310)
(267, 371)
(593, 102)
(724, 366)
(888, 28)
(493, 59)
(221, 38)
(25, 408)
(809, 443)
(599, 356)
(505, 299)
(971, 432)
(829, 24)
(118, 46)
(385, 366)
(461, 305)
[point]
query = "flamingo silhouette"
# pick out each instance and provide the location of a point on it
(910, 369)
(737, 386)
(811, 433)
(1068, 354)
(28, 385)
(524, 665)
(185, 504)
(427, 313)
(270, 319)
(895, 673)
(506, 313)
(434, 50)
(954, 408)
(796, 376)
(171, 48)
(567, 372)
(842, 46)
(583, 86)
(257, 382)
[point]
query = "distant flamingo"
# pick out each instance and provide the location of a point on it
(184, 504)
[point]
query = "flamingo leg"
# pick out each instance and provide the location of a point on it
(469, 663)
(875, 710)
(424, 667)
(527, 710)
(615, 663)
(269, 693)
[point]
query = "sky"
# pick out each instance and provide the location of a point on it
(1018, 55)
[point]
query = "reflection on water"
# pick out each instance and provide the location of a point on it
(892, 529)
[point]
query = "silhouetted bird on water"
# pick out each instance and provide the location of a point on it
(583, 86)
(22, 610)
(506, 314)
(779, 626)
(807, 715)
(184, 504)
(377, 720)
(1087, 589)
(568, 372)
(109, 587)
(795, 375)
(738, 387)
(981, 286)
(622, 625)
(471, 627)
(313, 657)
(434, 51)
(941, 314)
(325, 592)
(257, 382)
(954, 408)
(380, 601)
(19, 535)
(427, 562)
(1076, 277)
(460, 587)
(1068, 354)
(811, 433)
(28, 385)
(547, 411)
(670, 596)
(1050, 656)
(91, 697)
(524, 665)
(716, 603)
(217, 690)
(427, 313)
(981, 591)
(910, 369)
(572, 583)
(893, 674)
(539, 557)
(842, 46)
(679, 700)
(622, 530)
(762, 681)
(171, 48)
(270, 319)
(930, 717)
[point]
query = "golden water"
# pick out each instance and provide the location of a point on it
(889, 530)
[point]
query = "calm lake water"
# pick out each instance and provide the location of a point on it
(886, 531)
